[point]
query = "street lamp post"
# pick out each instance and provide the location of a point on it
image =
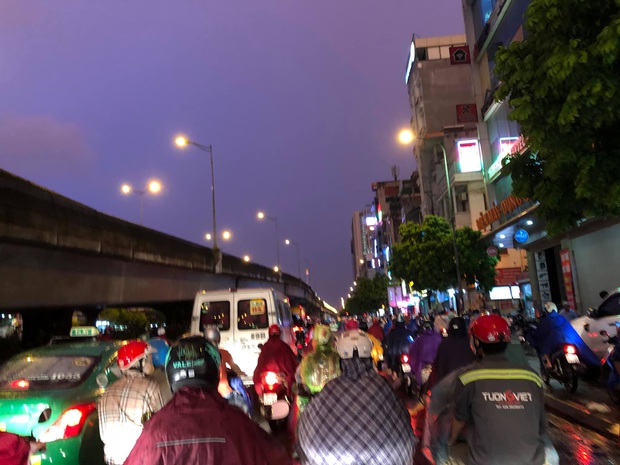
(287, 242)
(405, 137)
(261, 216)
(153, 187)
(452, 221)
(182, 142)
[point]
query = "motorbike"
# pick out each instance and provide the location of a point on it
(300, 341)
(565, 367)
(612, 364)
(274, 401)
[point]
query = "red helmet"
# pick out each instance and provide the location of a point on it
(131, 353)
(490, 329)
(274, 330)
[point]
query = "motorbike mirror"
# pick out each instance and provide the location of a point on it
(604, 333)
(102, 380)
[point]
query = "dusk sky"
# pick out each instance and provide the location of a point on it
(301, 100)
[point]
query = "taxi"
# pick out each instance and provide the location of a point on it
(50, 393)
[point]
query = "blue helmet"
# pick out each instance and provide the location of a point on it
(161, 351)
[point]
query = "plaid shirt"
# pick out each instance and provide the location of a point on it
(356, 420)
(121, 408)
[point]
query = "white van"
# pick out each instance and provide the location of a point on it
(243, 317)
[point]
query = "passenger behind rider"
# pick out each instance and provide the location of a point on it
(423, 350)
(357, 418)
(453, 352)
(553, 332)
(276, 356)
(397, 343)
(198, 426)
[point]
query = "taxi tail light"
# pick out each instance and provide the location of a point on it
(404, 358)
(570, 349)
(69, 424)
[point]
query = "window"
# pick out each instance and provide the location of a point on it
(421, 53)
(46, 372)
(445, 53)
(284, 313)
(252, 314)
(215, 313)
(433, 53)
(611, 307)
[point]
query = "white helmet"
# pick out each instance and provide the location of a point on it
(550, 307)
(353, 340)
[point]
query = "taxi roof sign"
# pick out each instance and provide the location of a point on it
(84, 331)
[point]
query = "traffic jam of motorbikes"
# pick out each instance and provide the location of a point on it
(284, 387)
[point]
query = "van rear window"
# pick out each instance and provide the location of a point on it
(252, 314)
(215, 313)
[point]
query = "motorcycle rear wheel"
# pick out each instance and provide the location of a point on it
(570, 380)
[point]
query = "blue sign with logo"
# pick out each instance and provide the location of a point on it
(521, 236)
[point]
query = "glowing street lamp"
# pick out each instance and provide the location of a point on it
(153, 187)
(261, 216)
(182, 142)
(246, 258)
(276, 268)
(406, 136)
(288, 242)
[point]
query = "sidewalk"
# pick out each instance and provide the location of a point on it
(590, 406)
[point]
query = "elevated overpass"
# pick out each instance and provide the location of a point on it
(57, 253)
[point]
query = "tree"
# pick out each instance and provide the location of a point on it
(368, 296)
(562, 84)
(425, 256)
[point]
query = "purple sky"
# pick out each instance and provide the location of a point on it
(301, 100)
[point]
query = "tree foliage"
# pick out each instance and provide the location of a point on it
(368, 296)
(564, 89)
(135, 321)
(425, 256)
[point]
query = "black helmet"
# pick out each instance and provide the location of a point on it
(427, 325)
(457, 327)
(194, 361)
(363, 326)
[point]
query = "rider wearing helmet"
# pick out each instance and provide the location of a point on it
(127, 403)
(423, 351)
(236, 395)
(356, 418)
(553, 332)
(277, 356)
(502, 402)
(198, 425)
(453, 352)
(397, 343)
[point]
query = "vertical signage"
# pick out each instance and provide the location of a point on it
(567, 274)
(543, 277)
(469, 156)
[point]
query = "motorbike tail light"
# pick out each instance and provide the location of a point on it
(270, 381)
(569, 349)
(300, 346)
(69, 424)
(404, 358)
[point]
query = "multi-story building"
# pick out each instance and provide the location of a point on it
(449, 144)
(574, 267)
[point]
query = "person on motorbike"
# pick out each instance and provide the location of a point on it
(453, 352)
(198, 425)
(377, 348)
(376, 330)
(552, 333)
(397, 343)
(16, 450)
(277, 356)
(129, 402)
(319, 366)
(423, 351)
(502, 403)
(357, 418)
(231, 385)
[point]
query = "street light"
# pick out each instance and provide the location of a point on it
(246, 258)
(182, 142)
(262, 216)
(288, 242)
(226, 235)
(402, 137)
(153, 187)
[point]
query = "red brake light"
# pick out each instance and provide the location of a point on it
(69, 424)
(569, 349)
(404, 358)
(300, 346)
(19, 384)
(296, 329)
(270, 380)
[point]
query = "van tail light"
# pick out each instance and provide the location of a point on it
(69, 424)
(404, 358)
(570, 349)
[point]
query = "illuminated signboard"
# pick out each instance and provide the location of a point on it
(506, 145)
(371, 221)
(411, 59)
(469, 156)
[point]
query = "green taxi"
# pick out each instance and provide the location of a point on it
(50, 393)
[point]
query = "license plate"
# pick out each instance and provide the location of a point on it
(270, 398)
(572, 358)
(406, 368)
